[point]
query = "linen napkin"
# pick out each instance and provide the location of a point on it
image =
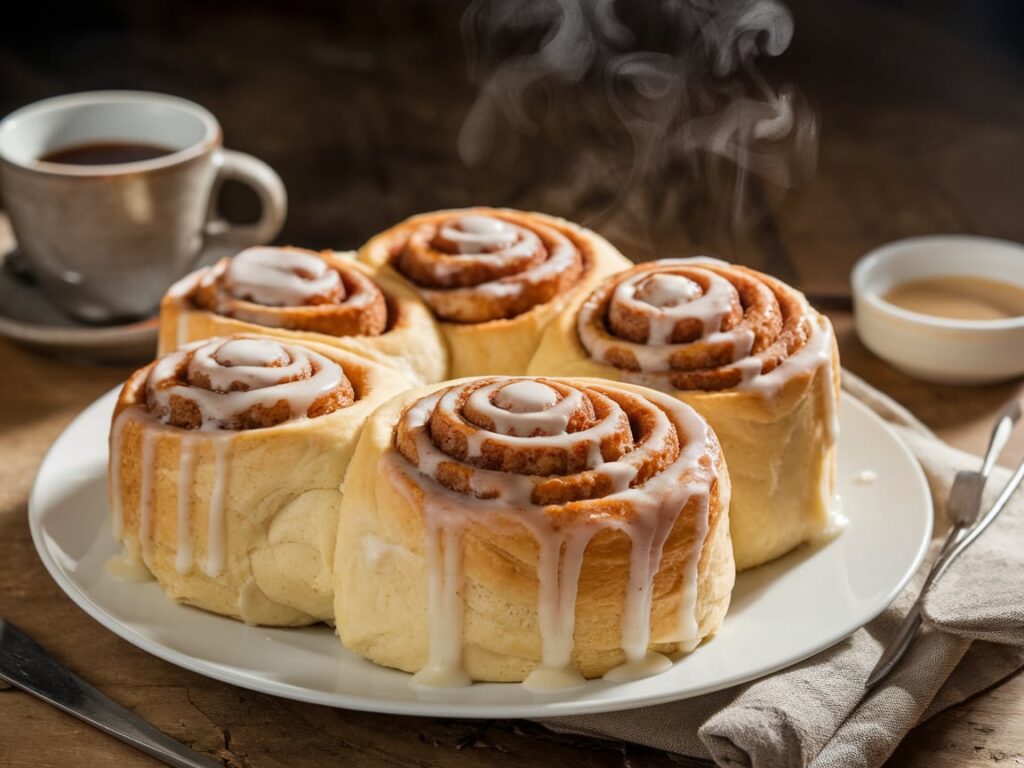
(816, 713)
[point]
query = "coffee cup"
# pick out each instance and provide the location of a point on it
(112, 196)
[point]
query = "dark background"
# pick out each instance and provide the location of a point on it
(358, 106)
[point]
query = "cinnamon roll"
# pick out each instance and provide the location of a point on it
(226, 461)
(750, 355)
(302, 295)
(494, 278)
(537, 530)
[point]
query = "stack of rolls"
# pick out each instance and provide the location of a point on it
(486, 447)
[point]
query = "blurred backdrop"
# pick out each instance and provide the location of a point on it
(792, 137)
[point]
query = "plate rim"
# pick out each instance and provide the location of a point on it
(440, 707)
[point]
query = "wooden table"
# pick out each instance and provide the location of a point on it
(920, 133)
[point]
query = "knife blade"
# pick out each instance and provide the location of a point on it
(25, 665)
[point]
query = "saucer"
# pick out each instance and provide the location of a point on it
(28, 317)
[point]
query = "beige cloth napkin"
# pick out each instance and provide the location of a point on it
(815, 713)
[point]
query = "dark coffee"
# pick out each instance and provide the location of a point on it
(105, 153)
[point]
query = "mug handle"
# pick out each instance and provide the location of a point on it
(264, 181)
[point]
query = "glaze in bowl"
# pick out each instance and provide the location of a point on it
(939, 349)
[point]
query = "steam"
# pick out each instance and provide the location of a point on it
(653, 115)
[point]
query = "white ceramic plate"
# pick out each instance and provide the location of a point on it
(781, 613)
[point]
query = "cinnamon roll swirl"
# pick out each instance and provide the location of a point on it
(537, 530)
(302, 295)
(749, 354)
(494, 278)
(226, 460)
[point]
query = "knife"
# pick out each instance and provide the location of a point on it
(25, 665)
(962, 508)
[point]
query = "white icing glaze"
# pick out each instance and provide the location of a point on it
(665, 299)
(558, 577)
(546, 421)
(186, 470)
(128, 566)
(258, 364)
(656, 504)
(665, 290)
(814, 357)
(495, 242)
(526, 396)
(866, 477)
(275, 277)
(181, 330)
(444, 557)
(476, 234)
(116, 508)
(148, 462)
(216, 533)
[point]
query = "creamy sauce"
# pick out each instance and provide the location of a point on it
(865, 477)
(959, 297)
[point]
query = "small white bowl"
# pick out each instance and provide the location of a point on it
(943, 350)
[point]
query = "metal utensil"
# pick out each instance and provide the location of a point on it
(962, 508)
(25, 665)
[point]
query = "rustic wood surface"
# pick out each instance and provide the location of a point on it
(921, 132)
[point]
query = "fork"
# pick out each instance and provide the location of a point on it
(962, 508)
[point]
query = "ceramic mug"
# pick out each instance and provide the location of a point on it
(105, 241)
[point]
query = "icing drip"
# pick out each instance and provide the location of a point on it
(559, 566)
(186, 469)
(535, 415)
(182, 330)
(148, 459)
(444, 564)
(278, 277)
(216, 534)
(116, 508)
(128, 566)
(815, 358)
